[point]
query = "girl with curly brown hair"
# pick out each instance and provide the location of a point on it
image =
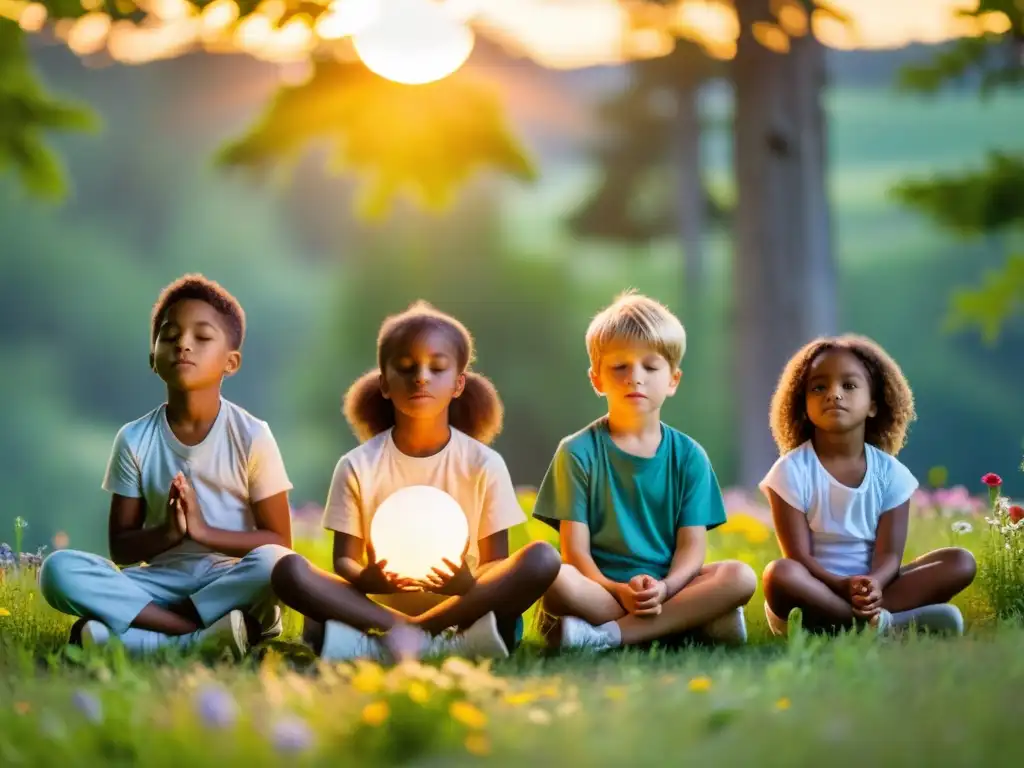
(424, 419)
(840, 499)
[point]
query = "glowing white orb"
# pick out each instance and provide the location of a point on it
(416, 528)
(414, 42)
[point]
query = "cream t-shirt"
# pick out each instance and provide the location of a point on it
(473, 474)
(843, 520)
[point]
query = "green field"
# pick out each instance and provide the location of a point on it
(910, 701)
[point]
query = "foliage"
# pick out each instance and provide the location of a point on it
(27, 116)
(984, 201)
(429, 138)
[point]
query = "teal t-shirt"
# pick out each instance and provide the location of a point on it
(633, 506)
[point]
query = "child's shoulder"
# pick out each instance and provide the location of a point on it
(134, 432)
(886, 466)
(584, 443)
(477, 455)
(802, 457)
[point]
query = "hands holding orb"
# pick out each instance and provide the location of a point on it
(416, 530)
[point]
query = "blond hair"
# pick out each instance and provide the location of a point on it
(636, 318)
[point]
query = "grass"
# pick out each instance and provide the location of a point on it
(914, 701)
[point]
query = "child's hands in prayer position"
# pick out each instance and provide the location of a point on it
(648, 595)
(865, 596)
(375, 579)
(177, 525)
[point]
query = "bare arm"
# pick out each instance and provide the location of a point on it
(129, 542)
(890, 543)
(795, 540)
(368, 579)
(575, 539)
(691, 548)
(493, 550)
(273, 526)
(348, 556)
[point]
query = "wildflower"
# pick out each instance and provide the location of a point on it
(369, 677)
(992, 480)
(419, 692)
(291, 735)
(478, 744)
(467, 714)
(216, 707)
(782, 704)
(1016, 513)
(962, 526)
(4, 612)
(615, 692)
(518, 699)
(700, 684)
(88, 705)
(539, 716)
(376, 713)
(567, 708)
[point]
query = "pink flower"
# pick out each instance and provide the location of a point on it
(992, 480)
(1016, 513)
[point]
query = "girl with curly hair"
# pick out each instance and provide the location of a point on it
(840, 499)
(423, 418)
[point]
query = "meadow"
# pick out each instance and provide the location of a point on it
(905, 701)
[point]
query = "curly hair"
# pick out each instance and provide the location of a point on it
(478, 411)
(890, 391)
(200, 288)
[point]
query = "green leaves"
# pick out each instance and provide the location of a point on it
(987, 307)
(426, 140)
(973, 203)
(27, 115)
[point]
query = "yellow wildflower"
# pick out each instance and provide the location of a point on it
(467, 714)
(782, 704)
(4, 612)
(518, 699)
(376, 713)
(478, 744)
(615, 692)
(419, 692)
(700, 684)
(368, 677)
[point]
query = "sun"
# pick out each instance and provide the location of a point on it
(414, 42)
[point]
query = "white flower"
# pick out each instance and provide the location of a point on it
(962, 526)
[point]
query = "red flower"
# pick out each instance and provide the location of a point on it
(1016, 513)
(992, 480)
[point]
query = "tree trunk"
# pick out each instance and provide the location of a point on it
(690, 208)
(784, 274)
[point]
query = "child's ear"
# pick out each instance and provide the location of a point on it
(460, 385)
(152, 362)
(234, 362)
(873, 410)
(383, 383)
(595, 381)
(677, 376)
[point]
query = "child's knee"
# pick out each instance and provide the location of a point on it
(541, 561)
(779, 574)
(962, 563)
(288, 571)
(741, 577)
(264, 559)
(59, 574)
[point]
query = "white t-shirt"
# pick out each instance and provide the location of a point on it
(843, 520)
(470, 472)
(237, 464)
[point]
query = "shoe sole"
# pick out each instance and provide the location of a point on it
(89, 631)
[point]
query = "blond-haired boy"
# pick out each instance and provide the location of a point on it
(633, 499)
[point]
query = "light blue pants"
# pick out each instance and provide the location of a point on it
(90, 586)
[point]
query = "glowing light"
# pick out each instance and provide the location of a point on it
(290, 43)
(33, 17)
(253, 33)
(217, 17)
(347, 17)
(416, 528)
(89, 34)
(771, 37)
(414, 42)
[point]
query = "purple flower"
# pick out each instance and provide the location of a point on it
(291, 735)
(216, 707)
(88, 705)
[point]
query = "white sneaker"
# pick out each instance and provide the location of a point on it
(481, 640)
(778, 625)
(730, 629)
(881, 622)
(226, 632)
(576, 633)
(345, 643)
(940, 617)
(95, 634)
